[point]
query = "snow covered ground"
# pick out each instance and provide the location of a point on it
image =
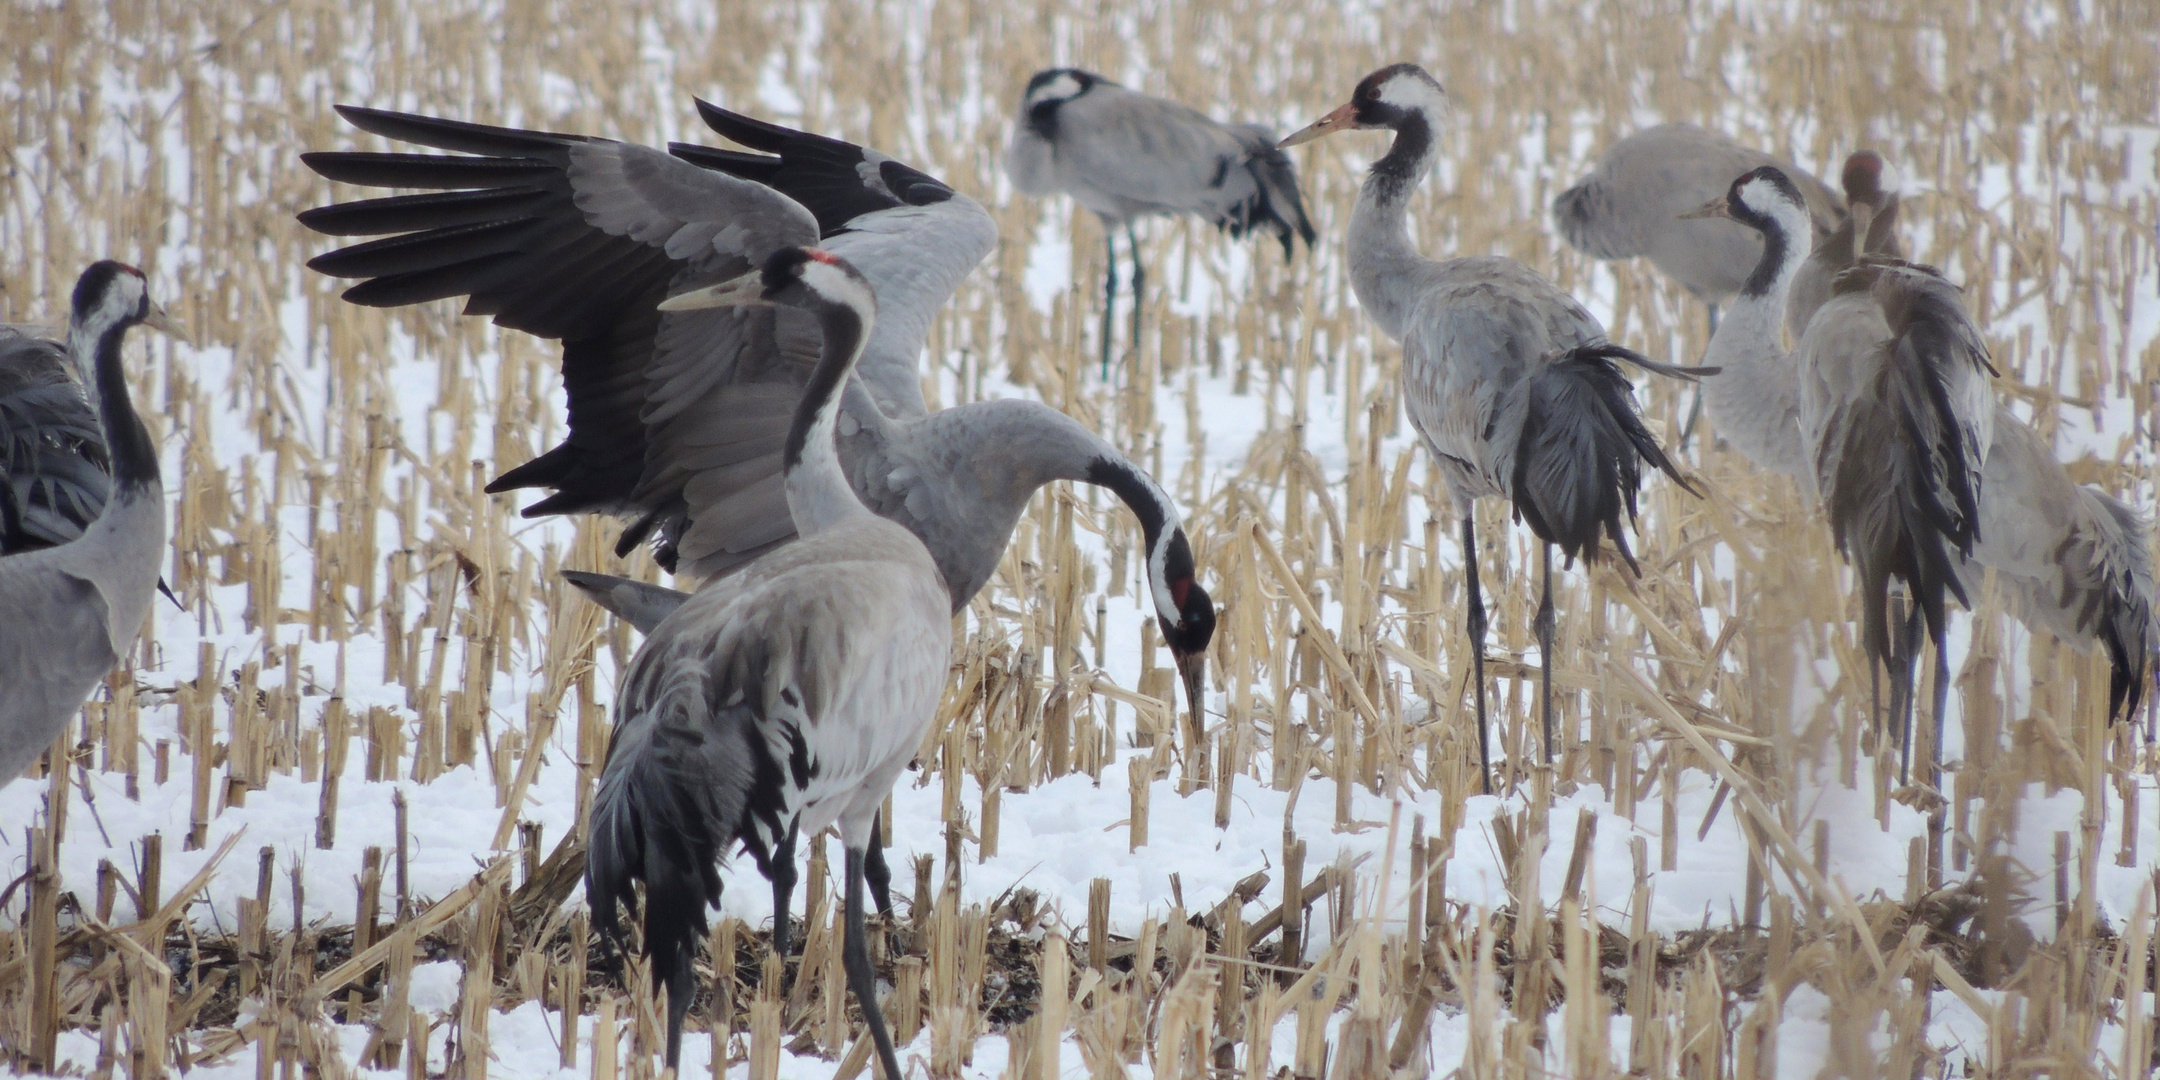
(199, 114)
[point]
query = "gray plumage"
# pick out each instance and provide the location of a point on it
(789, 694)
(1897, 415)
(53, 465)
(2069, 559)
(70, 612)
(1754, 399)
(1629, 207)
(677, 418)
(1127, 155)
(642, 604)
(1511, 383)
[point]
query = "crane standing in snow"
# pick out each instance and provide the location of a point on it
(790, 694)
(71, 611)
(1126, 155)
(1513, 386)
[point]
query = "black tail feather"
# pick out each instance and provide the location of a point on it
(1903, 503)
(1903, 499)
(1578, 460)
(2117, 607)
(1275, 203)
(677, 792)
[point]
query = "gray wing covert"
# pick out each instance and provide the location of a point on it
(1154, 154)
(54, 472)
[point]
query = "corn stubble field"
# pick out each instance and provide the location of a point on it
(381, 706)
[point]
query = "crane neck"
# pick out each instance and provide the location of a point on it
(1382, 257)
(1788, 235)
(1748, 334)
(134, 455)
(1169, 554)
(818, 494)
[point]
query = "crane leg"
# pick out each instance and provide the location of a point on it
(1139, 283)
(1907, 653)
(862, 980)
(875, 871)
(1475, 624)
(1109, 293)
(783, 895)
(1544, 627)
(1936, 816)
(1694, 411)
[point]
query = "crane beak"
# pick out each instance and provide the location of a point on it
(745, 291)
(1192, 668)
(1715, 208)
(1863, 218)
(162, 321)
(1344, 117)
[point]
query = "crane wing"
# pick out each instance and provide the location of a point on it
(54, 473)
(676, 419)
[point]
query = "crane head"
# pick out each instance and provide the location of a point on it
(1756, 198)
(1188, 639)
(1055, 86)
(112, 294)
(792, 277)
(1387, 98)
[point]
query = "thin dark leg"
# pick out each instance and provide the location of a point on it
(862, 981)
(1109, 293)
(874, 869)
(1475, 624)
(1936, 817)
(1544, 628)
(1875, 709)
(783, 895)
(1139, 284)
(1902, 692)
(1694, 411)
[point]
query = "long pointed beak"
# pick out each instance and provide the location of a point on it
(1192, 668)
(1344, 117)
(163, 321)
(745, 291)
(1715, 208)
(1863, 216)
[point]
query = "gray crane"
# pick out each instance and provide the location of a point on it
(1511, 383)
(1630, 206)
(2070, 559)
(1126, 155)
(1755, 398)
(791, 693)
(645, 606)
(677, 418)
(71, 611)
(1897, 415)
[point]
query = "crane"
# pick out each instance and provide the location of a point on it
(790, 694)
(1127, 155)
(1512, 384)
(71, 611)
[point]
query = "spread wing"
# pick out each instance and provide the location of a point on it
(676, 420)
(565, 237)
